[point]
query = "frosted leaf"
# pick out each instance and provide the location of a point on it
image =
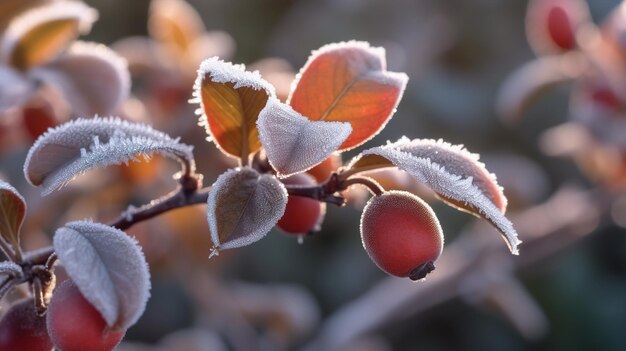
(75, 147)
(93, 78)
(292, 142)
(226, 72)
(15, 89)
(527, 83)
(243, 206)
(108, 268)
(12, 212)
(42, 34)
(450, 171)
(348, 82)
(231, 99)
(10, 269)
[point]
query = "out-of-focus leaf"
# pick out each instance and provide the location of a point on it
(293, 143)
(92, 77)
(12, 212)
(209, 44)
(15, 89)
(108, 267)
(40, 35)
(348, 82)
(529, 81)
(75, 147)
(553, 25)
(243, 206)
(456, 175)
(11, 9)
(142, 54)
(175, 24)
(614, 27)
(231, 99)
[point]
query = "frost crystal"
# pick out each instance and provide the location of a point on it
(293, 143)
(434, 164)
(243, 206)
(71, 149)
(226, 72)
(108, 267)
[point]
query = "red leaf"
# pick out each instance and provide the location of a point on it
(348, 82)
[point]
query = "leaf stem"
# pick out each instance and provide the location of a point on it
(316, 192)
(6, 285)
(8, 251)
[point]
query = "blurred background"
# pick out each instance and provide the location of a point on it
(566, 290)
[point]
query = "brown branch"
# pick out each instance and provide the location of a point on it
(169, 202)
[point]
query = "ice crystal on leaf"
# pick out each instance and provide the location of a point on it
(231, 99)
(243, 206)
(71, 149)
(292, 142)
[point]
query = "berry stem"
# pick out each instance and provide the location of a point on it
(370, 183)
(422, 271)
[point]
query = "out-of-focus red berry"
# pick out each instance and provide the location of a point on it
(22, 329)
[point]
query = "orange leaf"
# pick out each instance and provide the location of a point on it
(348, 82)
(11, 9)
(231, 99)
(42, 34)
(175, 24)
(12, 212)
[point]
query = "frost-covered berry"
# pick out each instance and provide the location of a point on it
(75, 325)
(401, 234)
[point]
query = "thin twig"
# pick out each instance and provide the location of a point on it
(369, 183)
(169, 202)
(8, 251)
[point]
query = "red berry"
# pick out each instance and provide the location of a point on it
(22, 329)
(560, 28)
(401, 234)
(552, 25)
(75, 325)
(302, 214)
(38, 117)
